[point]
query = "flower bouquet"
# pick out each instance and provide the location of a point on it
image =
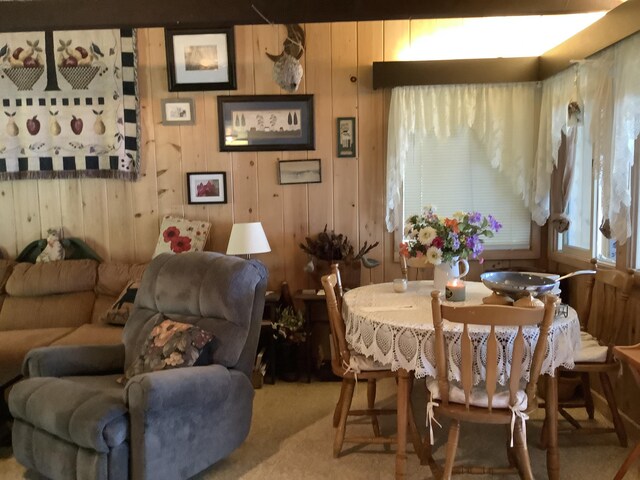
(438, 240)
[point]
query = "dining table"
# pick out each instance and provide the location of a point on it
(396, 329)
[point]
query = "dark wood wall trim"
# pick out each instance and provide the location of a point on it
(30, 15)
(446, 72)
(616, 25)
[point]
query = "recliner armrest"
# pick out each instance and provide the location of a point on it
(68, 360)
(179, 387)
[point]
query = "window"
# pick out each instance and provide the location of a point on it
(577, 240)
(454, 174)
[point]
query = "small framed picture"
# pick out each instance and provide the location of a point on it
(299, 171)
(255, 123)
(207, 187)
(346, 137)
(200, 59)
(179, 111)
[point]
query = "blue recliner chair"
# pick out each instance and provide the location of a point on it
(73, 420)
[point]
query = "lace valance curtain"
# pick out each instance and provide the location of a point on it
(608, 89)
(501, 116)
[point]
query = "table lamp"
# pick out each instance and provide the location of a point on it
(247, 238)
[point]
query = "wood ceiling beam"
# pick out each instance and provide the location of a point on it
(445, 72)
(33, 15)
(616, 25)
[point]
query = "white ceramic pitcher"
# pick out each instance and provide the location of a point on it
(448, 271)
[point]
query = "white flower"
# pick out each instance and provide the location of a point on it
(434, 255)
(429, 209)
(459, 215)
(426, 235)
(408, 228)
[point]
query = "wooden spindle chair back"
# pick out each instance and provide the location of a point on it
(513, 417)
(492, 316)
(340, 365)
(603, 316)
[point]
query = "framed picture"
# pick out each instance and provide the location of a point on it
(346, 137)
(299, 171)
(207, 187)
(200, 59)
(266, 122)
(179, 111)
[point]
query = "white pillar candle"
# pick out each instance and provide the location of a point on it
(455, 291)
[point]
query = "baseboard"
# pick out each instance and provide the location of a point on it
(600, 404)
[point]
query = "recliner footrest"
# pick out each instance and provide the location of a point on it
(73, 412)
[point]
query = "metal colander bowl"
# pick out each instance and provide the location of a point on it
(518, 284)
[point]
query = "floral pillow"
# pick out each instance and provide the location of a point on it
(169, 345)
(179, 235)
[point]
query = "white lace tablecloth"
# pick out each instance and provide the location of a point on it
(397, 329)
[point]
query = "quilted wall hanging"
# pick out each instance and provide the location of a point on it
(69, 105)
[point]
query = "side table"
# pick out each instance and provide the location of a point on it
(271, 302)
(315, 311)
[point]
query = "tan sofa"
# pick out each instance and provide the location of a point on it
(57, 303)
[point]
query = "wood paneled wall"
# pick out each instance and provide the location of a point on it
(120, 220)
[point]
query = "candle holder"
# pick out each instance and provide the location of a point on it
(455, 291)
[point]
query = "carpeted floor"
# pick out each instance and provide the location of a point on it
(292, 436)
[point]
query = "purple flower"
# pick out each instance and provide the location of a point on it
(472, 241)
(494, 224)
(455, 240)
(475, 218)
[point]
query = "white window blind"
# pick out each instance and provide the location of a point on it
(454, 174)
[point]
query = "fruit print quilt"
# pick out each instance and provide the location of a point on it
(69, 105)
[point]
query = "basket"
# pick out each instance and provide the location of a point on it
(23, 77)
(79, 77)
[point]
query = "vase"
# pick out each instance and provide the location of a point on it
(349, 272)
(448, 271)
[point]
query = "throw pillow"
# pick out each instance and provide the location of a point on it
(179, 235)
(119, 312)
(169, 345)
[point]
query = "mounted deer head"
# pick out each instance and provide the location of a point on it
(287, 70)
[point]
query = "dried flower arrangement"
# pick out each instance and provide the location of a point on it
(331, 246)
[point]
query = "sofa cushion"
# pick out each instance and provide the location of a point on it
(91, 334)
(112, 279)
(169, 345)
(50, 311)
(6, 266)
(66, 276)
(15, 344)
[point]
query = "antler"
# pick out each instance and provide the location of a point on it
(293, 45)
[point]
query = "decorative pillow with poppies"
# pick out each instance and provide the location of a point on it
(169, 345)
(179, 235)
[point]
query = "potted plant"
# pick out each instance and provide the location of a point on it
(289, 331)
(329, 247)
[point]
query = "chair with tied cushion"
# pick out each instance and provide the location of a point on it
(73, 419)
(419, 264)
(352, 366)
(601, 321)
(488, 402)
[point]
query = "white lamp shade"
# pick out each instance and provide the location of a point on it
(247, 238)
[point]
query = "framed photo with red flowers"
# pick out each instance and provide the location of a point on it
(207, 187)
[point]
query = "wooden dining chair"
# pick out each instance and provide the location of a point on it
(489, 402)
(631, 356)
(419, 268)
(351, 367)
(601, 323)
